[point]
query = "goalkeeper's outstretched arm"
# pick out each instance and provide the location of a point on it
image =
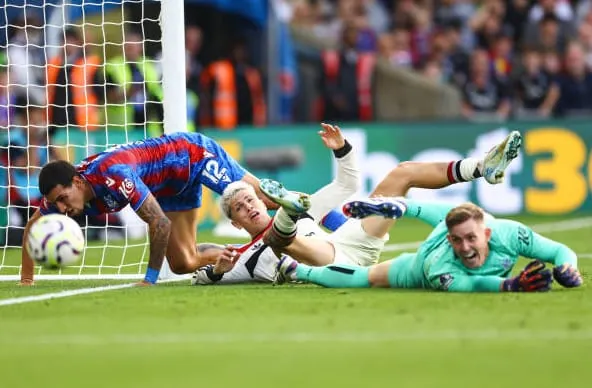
(530, 244)
(27, 265)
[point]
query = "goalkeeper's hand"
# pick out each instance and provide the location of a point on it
(568, 276)
(534, 277)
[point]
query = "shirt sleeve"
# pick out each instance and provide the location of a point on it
(459, 282)
(534, 246)
(346, 183)
(127, 186)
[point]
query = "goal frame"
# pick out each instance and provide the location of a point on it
(172, 25)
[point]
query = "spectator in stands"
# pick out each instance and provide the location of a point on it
(487, 22)
(456, 13)
(548, 32)
(484, 96)
(192, 98)
(193, 44)
(515, 18)
(7, 99)
(232, 91)
(27, 59)
(395, 48)
(137, 76)
(501, 56)
(552, 62)
(71, 102)
(585, 38)
(575, 85)
(536, 90)
(457, 55)
(346, 81)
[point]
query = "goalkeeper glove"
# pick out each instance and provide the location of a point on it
(568, 276)
(534, 277)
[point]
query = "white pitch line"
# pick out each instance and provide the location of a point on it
(547, 227)
(62, 294)
(300, 337)
(75, 292)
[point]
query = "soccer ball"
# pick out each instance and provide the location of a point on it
(55, 241)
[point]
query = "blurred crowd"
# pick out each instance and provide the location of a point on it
(508, 58)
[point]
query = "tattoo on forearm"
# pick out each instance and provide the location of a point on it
(159, 230)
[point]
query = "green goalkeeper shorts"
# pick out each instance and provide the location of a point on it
(403, 272)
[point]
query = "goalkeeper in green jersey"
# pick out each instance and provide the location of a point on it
(468, 250)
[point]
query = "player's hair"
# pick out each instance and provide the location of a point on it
(56, 173)
(462, 213)
(230, 192)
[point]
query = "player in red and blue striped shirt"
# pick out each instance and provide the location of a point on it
(160, 178)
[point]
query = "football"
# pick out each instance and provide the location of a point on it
(55, 241)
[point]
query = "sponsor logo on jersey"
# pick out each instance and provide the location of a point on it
(110, 201)
(110, 182)
(127, 188)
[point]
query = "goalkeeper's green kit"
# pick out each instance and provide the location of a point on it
(435, 266)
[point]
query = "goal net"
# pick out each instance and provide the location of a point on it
(77, 77)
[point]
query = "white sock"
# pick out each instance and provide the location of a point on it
(283, 223)
(465, 170)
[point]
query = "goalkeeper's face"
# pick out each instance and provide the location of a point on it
(470, 242)
(248, 212)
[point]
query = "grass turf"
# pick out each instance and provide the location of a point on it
(259, 335)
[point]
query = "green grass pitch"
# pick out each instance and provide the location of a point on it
(299, 335)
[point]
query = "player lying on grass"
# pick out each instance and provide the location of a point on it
(468, 251)
(160, 178)
(256, 260)
(356, 242)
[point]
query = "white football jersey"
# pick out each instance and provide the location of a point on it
(257, 262)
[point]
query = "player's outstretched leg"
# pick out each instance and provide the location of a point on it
(333, 276)
(499, 158)
(283, 230)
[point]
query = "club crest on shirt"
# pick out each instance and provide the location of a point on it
(126, 188)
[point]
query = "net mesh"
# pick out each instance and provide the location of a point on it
(76, 77)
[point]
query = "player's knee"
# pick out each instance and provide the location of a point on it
(403, 174)
(182, 267)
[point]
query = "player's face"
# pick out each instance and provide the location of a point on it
(249, 212)
(470, 242)
(68, 200)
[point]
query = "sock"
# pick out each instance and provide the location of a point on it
(464, 170)
(333, 220)
(284, 223)
(334, 276)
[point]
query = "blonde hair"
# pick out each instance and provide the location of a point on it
(466, 211)
(230, 193)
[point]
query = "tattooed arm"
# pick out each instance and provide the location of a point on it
(159, 228)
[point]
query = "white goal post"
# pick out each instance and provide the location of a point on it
(117, 110)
